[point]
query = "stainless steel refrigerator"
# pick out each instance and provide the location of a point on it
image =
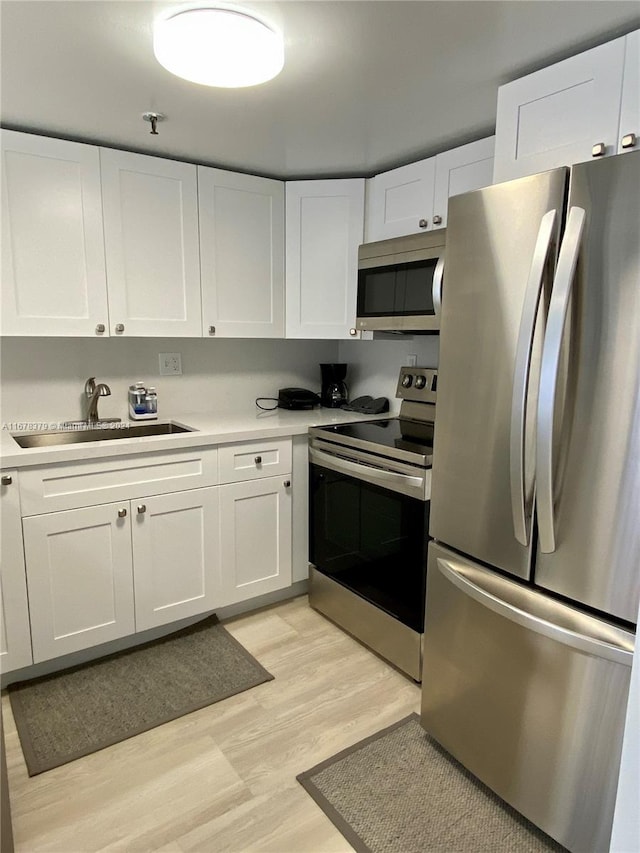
(533, 578)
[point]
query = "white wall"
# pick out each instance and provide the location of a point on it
(374, 365)
(43, 378)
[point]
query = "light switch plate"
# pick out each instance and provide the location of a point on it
(412, 360)
(170, 363)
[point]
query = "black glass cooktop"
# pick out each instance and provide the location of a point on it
(392, 433)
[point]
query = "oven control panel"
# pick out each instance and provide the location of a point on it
(417, 384)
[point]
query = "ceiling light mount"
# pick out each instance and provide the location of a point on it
(154, 118)
(219, 46)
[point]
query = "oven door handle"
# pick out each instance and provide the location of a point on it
(403, 483)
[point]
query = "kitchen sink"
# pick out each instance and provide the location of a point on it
(98, 432)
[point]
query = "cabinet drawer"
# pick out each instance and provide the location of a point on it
(254, 459)
(76, 484)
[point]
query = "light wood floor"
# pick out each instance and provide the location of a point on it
(223, 778)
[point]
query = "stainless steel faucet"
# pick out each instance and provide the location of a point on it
(93, 393)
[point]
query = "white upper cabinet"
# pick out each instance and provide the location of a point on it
(555, 116)
(53, 268)
(151, 240)
(629, 131)
(469, 167)
(415, 198)
(242, 254)
(324, 224)
(400, 201)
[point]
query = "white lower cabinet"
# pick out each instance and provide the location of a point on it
(98, 573)
(15, 636)
(80, 578)
(255, 534)
(176, 556)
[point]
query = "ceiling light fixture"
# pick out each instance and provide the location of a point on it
(218, 47)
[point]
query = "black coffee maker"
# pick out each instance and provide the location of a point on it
(334, 391)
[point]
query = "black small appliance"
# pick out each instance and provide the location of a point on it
(297, 398)
(334, 390)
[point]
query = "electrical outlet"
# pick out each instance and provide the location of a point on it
(412, 360)
(170, 363)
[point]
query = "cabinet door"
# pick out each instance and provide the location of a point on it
(176, 554)
(469, 167)
(255, 530)
(242, 254)
(15, 634)
(53, 269)
(79, 575)
(151, 239)
(555, 116)
(629, 133)
(400, 201)
(324, 227)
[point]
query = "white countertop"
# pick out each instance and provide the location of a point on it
(210, 428)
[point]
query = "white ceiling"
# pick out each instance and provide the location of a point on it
(367, 84)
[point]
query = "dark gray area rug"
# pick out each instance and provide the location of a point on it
(400, 792)
(64, 716)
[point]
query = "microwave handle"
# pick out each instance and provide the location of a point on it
(437, 286)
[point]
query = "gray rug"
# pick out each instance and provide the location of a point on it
(400, 792)
(64, 716)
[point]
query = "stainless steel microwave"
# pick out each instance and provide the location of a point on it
(400, 283)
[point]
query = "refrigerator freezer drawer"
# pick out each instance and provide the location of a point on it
(529, 694)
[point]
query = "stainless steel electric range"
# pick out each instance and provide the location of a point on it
(370, 485)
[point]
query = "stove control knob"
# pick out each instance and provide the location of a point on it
(421, 381)
(407, 380)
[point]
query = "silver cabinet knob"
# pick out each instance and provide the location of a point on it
(286, 484)
(122, 513)
(629, 141)
(142, 509)
(599, 150)
(422, 223)
(437, 220)
(353, 332)
(119, 328)
(6, 480)
(212, 330)
(100, 329)
(258, 460)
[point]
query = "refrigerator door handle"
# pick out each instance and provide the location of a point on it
(522, 368)
(436, 290)
(562, 285)
(581, 641)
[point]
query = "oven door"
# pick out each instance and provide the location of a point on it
(369, 539)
